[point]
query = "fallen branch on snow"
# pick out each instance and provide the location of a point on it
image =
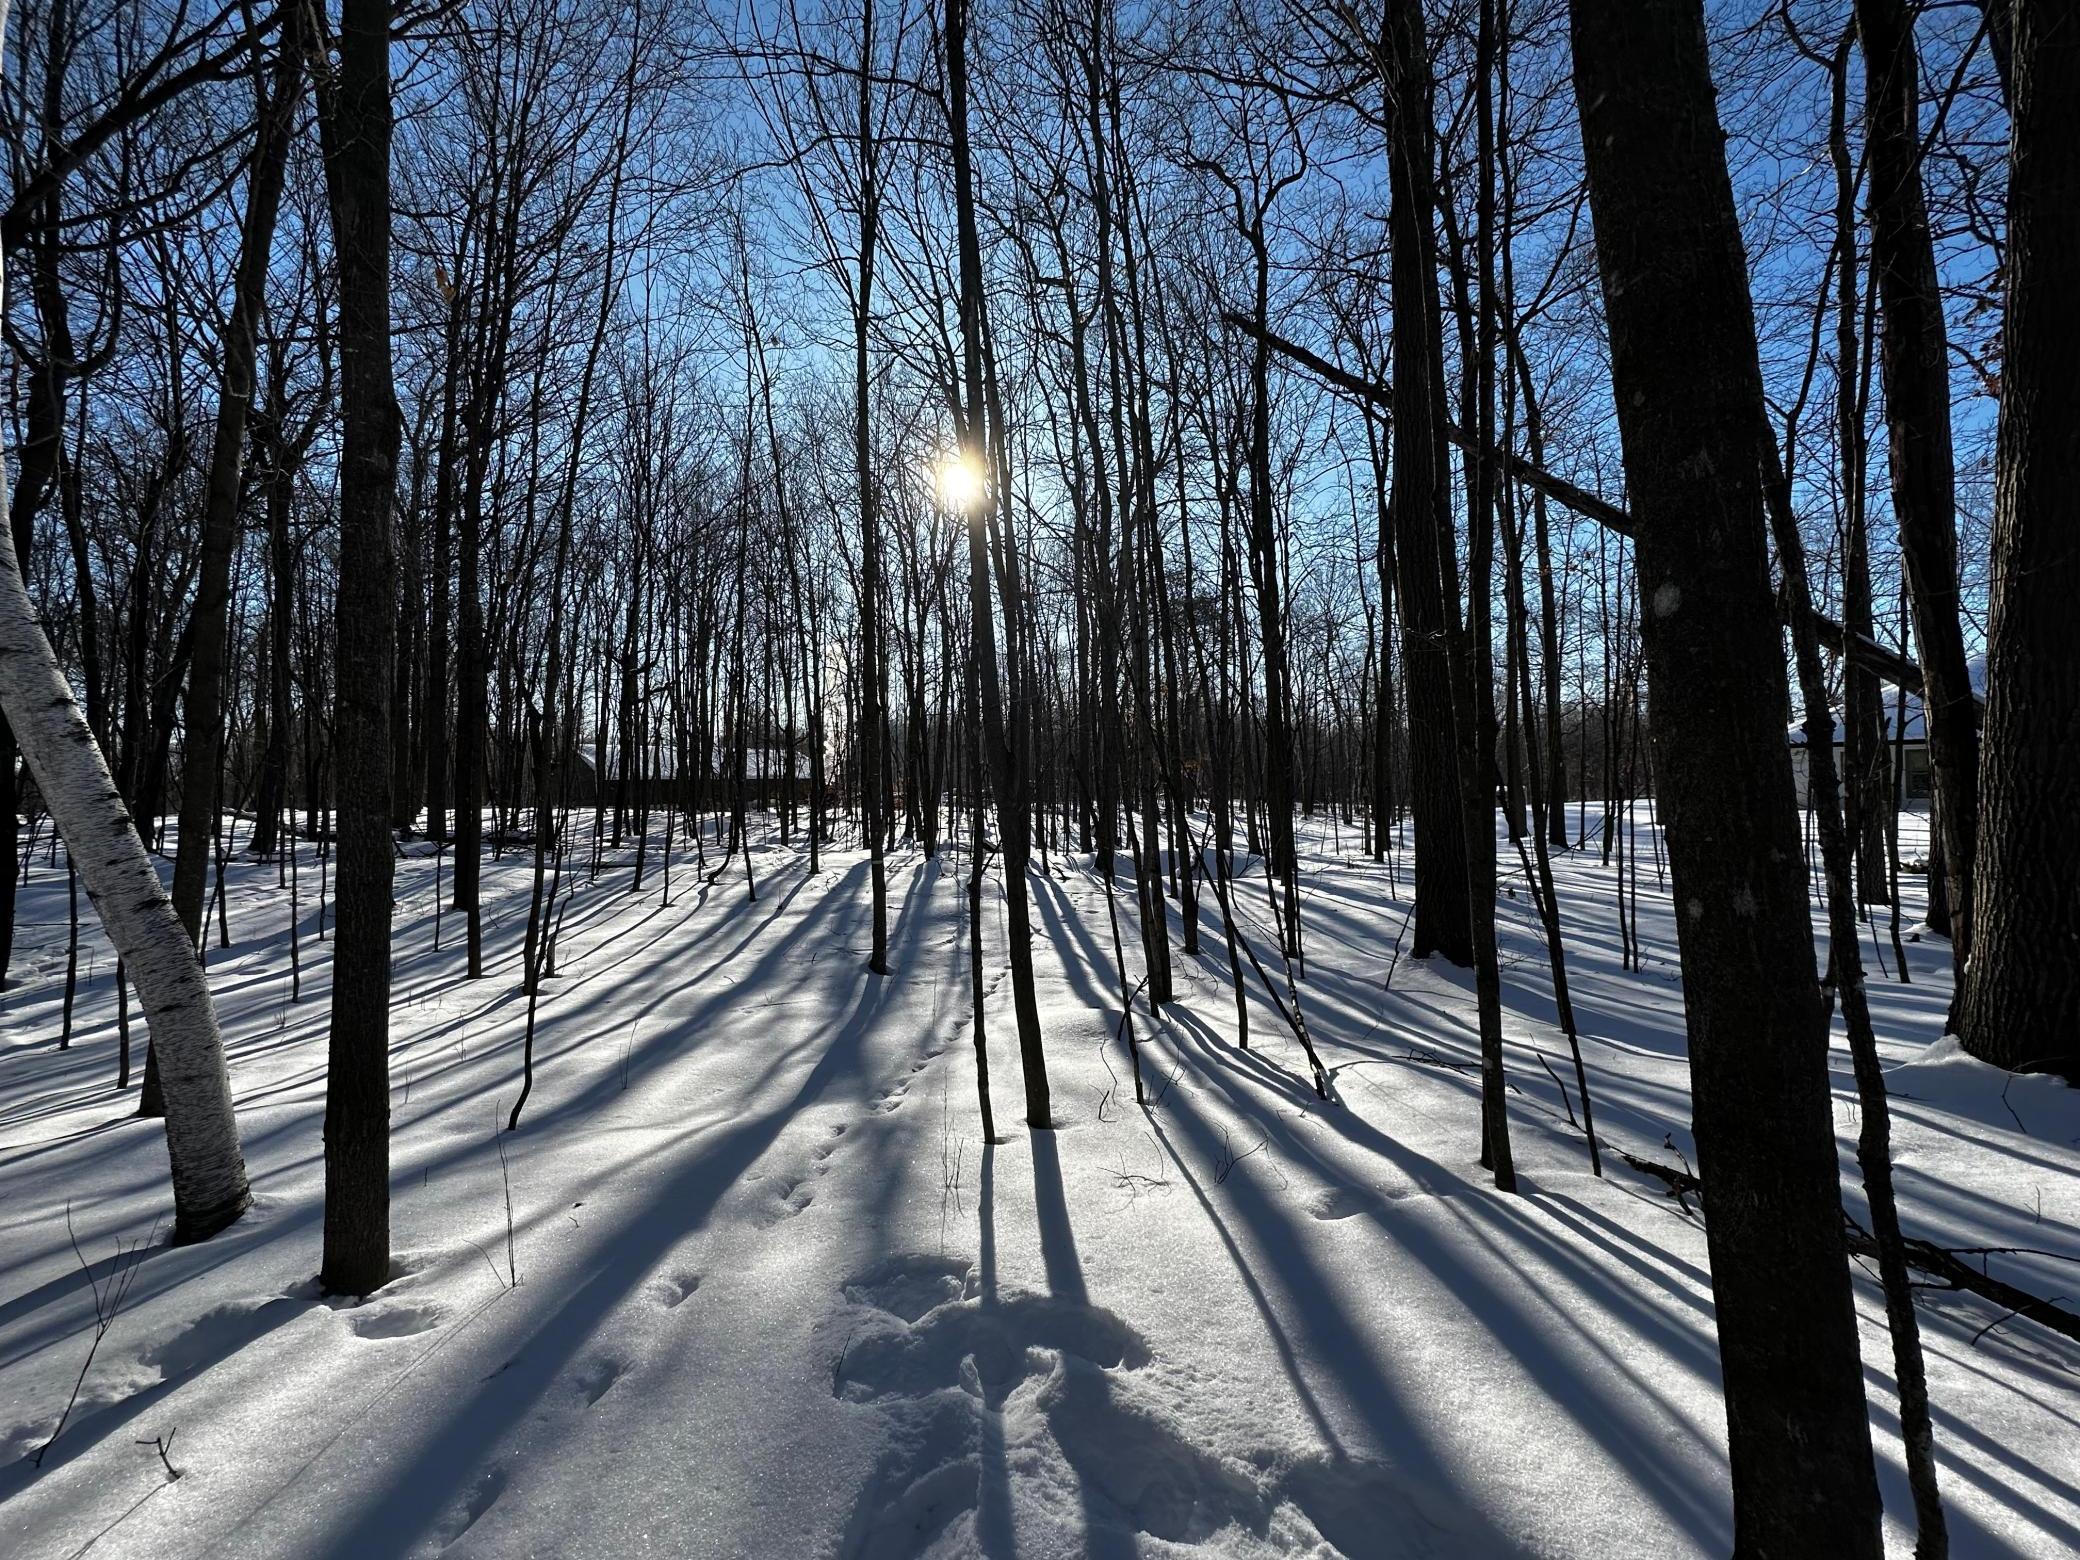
(1946, 1265)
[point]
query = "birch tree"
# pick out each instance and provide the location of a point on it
(50, 728)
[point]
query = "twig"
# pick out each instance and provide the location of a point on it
(1225, 1164)
(1565, 1103)
(164, 1443)
(1395, 963)
(505, 1176)
(1133, 1182)
(108, 1304)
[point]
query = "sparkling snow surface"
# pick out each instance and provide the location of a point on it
(777, 1297)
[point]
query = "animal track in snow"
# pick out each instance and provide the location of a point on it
(596, 1377)
(984, 1394)
(672, 1289)
(483, 1495)
(793, 1194)
(402, 1319)
(1339, 1202)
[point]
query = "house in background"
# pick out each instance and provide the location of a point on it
(1906, 738)
(1914, 794)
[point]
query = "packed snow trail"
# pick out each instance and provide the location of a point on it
(776, 1297)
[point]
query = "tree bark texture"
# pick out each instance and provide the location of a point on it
(1690, 409)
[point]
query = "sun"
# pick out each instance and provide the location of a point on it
(961, 482)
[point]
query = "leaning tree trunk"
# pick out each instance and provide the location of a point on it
(2020, 1007)
(1688, 387)
(209, 1173)
(354, 115)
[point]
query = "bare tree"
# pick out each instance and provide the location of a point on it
(1690, 410)
(355, 119)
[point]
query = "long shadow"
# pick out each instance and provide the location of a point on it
(1286, 1263)
(683, 1201)
(1483, 1219)
(642, 1060)
(1289, 1259)
(993, 1535)
(1274, 1326)
(88, 1429)
(162, 1276)
(1064, 929)
(1104, 1536)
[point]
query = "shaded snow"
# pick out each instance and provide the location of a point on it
(776, 1297)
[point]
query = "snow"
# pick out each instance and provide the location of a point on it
(776, 1297)
(1893, 705)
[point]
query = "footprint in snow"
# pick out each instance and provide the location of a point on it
(404, 1319)
(953, 1369)
(671, 1290)
(596, 1377)
(795, 1197)
(483, 1495)
(956, 1372)
(1339, 1202)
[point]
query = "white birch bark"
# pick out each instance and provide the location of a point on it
(209, 1172)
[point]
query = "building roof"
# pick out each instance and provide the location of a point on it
(1913, 728)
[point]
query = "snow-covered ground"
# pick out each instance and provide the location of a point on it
(775, 1295)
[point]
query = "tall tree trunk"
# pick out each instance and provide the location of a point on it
(355, 116)
(2020, 1007)
(203, 714)
(1915, 366)
(1845, 964)
(1866, 791)
(1421, 496)
(873, 675)
(983, 444)
(1690, 409)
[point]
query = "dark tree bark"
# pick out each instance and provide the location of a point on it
(873, 674)
(1867, 791)
(1690, 409)
(1845, 965)
(1421, 497)
(203, 713)
(355, 116)
(1915, 367)
(983, 444)
(2020, 1007)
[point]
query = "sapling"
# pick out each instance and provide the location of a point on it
(109, 1296)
